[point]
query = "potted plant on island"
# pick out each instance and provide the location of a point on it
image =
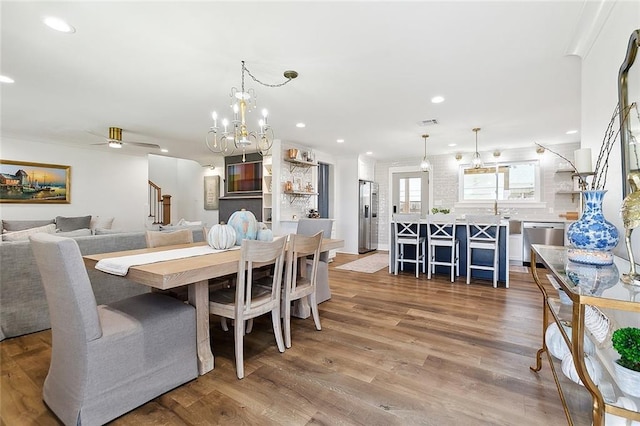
(626, 341)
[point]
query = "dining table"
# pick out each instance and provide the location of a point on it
(193, 272)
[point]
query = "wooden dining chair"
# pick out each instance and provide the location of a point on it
(161, 238)
(249, 300)
(225, 281)
(301, 284)
(300, 281)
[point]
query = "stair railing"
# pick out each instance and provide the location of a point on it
(159, 205)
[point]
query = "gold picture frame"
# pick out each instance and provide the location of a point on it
(34, 183)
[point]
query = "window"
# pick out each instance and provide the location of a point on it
(410, 192)
(515, 181)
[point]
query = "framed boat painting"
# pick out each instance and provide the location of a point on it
(24, 182)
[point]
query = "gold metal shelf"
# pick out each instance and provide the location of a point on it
(295, 163)
(293, 195)
(617, 302)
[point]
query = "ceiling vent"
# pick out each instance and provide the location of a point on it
(431, 122)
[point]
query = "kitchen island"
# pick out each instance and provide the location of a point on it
(461, 235)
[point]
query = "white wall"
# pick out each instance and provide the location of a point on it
(103, 183)
(600, 95)
(366, 168)
(346, 175)
(184, 181)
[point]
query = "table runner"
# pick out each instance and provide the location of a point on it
(120, 265)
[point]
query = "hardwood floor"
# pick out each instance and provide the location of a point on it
(393, 350)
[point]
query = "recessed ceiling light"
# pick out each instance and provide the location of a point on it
(452, 144)
(301, 125)
(340, 140)
(572, 132)
(437, 99)
(58, 25)
(369, 153)
(5, 79)
(164, 150)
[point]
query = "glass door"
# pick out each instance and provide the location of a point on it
(410, 192)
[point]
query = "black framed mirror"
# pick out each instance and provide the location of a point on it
(628, 94)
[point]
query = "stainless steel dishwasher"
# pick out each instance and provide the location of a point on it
(549, 233)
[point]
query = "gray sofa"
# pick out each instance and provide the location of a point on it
(23, 306)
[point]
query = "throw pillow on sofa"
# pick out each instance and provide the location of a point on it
(24, 234)
(66, 224)
(100, 222)
(21, 225)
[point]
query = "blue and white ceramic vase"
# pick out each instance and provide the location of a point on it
(592, 231)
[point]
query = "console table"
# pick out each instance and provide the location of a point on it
(598, 303)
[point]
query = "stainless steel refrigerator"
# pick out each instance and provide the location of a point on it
(368, 217)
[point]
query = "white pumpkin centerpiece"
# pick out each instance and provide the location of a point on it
(221, 237)
(264, 233)
(245, 224)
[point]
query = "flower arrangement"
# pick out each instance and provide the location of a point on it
(602, 163)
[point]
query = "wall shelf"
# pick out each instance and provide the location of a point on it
(300, 193)
(573, 175)
(295, 163)
(293, 195)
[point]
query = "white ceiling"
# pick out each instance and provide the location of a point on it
(367, 73)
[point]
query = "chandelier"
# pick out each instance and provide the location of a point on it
(235, 134)
(425, 165)
(476, 160)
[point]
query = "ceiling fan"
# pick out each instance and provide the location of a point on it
(115, 140)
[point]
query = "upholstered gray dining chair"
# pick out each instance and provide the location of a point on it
(107, 360)
(311, 227)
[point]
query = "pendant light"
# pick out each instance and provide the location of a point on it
(425, 165)
(476, 160)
